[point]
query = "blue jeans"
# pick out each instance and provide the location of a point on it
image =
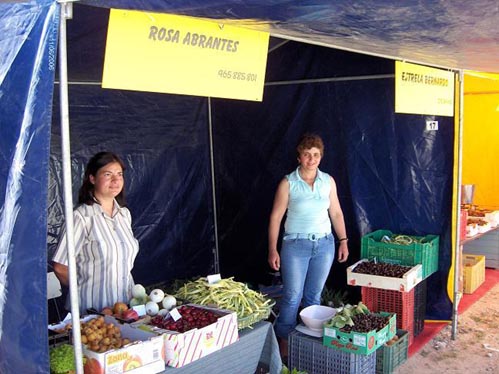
(305, 266)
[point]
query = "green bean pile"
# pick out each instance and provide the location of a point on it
(225, 294)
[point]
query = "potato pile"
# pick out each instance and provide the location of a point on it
(101, 337)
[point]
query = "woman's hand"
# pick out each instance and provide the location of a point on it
(274, 260)
(343, 251)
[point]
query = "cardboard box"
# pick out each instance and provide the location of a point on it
(357, 342)
(184, 348)
(404, 284)
(145, 355)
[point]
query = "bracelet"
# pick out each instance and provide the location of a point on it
(342, 239)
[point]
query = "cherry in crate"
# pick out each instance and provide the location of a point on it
(192, 317)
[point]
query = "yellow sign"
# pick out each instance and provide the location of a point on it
(423, 90)
(183, 55)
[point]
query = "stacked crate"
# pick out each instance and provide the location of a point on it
(389, 357)
(307, 353)
(400, 303)
(463, 223)
(424, 250)
(419, 307)
(410, 306)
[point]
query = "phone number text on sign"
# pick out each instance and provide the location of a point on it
(237, 75)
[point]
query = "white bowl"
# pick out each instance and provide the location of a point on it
(314, 316)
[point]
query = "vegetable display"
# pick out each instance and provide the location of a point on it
(357, 318)
(225, 294)
(62, 359)
(402, 239)
(343, 316)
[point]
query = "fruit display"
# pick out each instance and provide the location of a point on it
(121, 311)
(357, 318)
(354, 329)
(192, 317)
(381, 269)
(367, 322)
(157, 302)
(98, 336)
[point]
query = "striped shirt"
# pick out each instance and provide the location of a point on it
(105, 250)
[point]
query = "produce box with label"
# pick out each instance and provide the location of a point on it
(364, 335)
(193, 331)
(402, 249)
(384, 275)
(112, 348)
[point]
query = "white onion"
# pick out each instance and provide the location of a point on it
(157, 295)
(138, 291)
(152, 308)
(169, 302)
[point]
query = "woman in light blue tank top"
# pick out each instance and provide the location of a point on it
(309, 197)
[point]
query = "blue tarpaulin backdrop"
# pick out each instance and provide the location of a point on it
(391, 173)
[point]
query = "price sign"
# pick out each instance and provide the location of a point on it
(214, 278)
(175, 314)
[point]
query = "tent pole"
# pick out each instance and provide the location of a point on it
(214, 197)
(66, 13)
(457, 239)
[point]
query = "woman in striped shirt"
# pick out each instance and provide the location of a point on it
(105, 247)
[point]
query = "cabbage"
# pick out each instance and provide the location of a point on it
(62, 359)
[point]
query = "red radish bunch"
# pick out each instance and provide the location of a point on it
(192, 317)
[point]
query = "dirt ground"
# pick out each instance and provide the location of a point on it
(475, 350)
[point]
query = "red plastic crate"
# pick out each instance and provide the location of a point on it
(400, 303)
(463, 223)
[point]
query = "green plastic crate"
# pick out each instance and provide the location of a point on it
(388, 357)
(424, 252)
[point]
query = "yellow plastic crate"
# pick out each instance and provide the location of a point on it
(473, 272)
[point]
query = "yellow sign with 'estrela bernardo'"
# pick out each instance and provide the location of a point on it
(166, 53)
(423, 90)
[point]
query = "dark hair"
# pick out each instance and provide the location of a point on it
(99, 160)
(308, 141)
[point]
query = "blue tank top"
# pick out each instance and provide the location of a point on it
(308, 209)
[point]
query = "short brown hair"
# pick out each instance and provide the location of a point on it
(308, 141)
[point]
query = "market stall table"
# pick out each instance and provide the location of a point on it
(256, 346)
(486, 244)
